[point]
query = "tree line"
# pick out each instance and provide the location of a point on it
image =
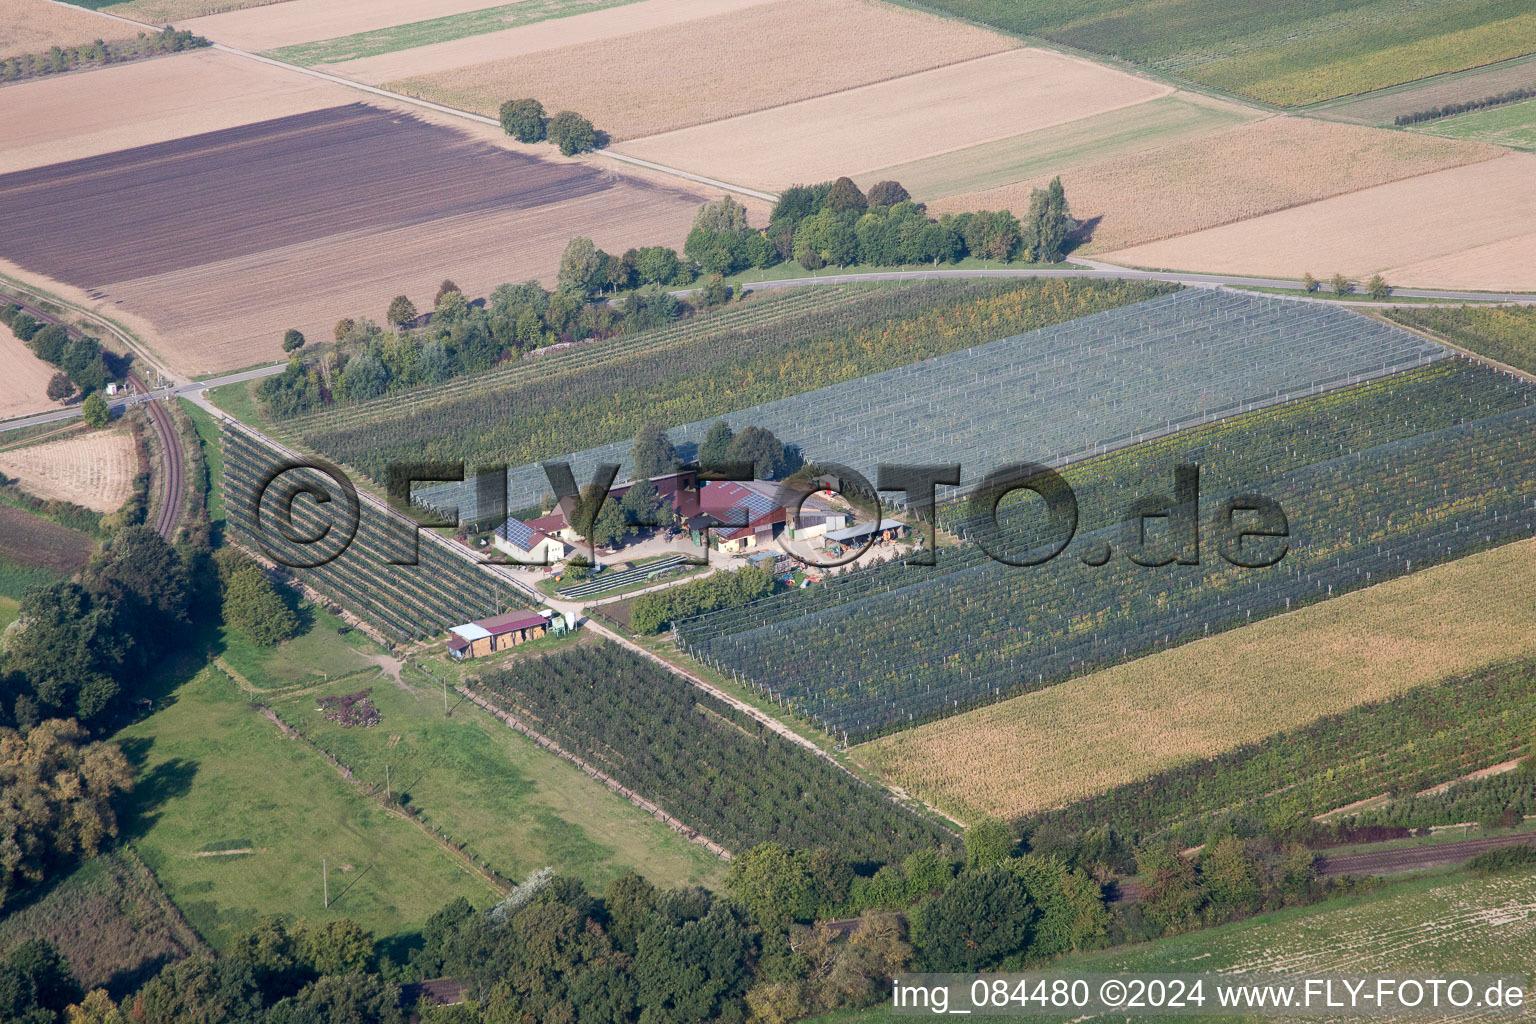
(83, 364)
(1452, 109)
(59, 59)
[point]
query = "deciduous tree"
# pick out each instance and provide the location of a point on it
(523, 120)
(572, 133)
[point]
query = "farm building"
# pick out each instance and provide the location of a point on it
(528, 542)
(746, 515)
(500, 632)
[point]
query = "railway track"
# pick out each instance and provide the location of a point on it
(173, 479)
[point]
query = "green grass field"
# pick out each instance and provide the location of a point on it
(513, 805)
(317, 656)
(215, 775)
(1513, 125)
(436, 30)
(1444, 923)
(1052, 150)
(8, 609)
(1301, 52)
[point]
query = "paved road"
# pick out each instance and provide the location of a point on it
(146, 395)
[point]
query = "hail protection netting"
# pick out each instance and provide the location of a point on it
(1052, 395)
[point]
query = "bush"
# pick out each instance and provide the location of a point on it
(572, 133)
(523, 120)
(1504, 858)
(292, 340)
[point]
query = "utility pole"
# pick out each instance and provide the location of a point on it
(325, 882)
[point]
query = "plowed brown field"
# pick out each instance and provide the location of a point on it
(53, 119)
(224, 240)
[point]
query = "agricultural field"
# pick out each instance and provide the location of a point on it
(1230, 175)
(698, 759)
(1362, 475)
(24, 388)
(686, 375)
(904, 119)
(1456, 924)
(1176, 708)
(1300, 54)
(1384, 106)
(445, 29)
(512, 804)
(1506, 334)
(676, 76)
(1042, 154)
(592, 29)
(1512, 125)
(110, 921)
(95, 470)
(222, 277)
(207, 763)
(1453, 228)
(408, 594)
(35, 551)
(32, 26)
(158, 12)
(71, 117)
(270, 25)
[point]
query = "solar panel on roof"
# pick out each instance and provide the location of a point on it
(518, 533)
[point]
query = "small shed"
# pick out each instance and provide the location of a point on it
(886, 529)
(498, 633)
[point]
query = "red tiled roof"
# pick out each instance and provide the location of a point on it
(511, 622)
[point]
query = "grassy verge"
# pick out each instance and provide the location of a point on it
(213, 455)
(316, 656)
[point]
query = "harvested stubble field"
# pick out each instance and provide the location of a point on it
(216, 243)
(574, 29)
(1285, 54)
(1434, 229)
(1081, 737)
(903, 119)
(301, 21)
(413, 34)
(676, 76)
(1229, 175)
(74, 116)
(1042, 154)
(92, 470)
(1384, 105)
(1505, 265)
(31, 26)
(158, 12)
(1513, 125)
(23, 386)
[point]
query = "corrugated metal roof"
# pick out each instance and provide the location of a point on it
(511, 621)
(863, 530)
(470, 631)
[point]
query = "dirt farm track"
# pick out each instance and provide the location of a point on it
(225, 239)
